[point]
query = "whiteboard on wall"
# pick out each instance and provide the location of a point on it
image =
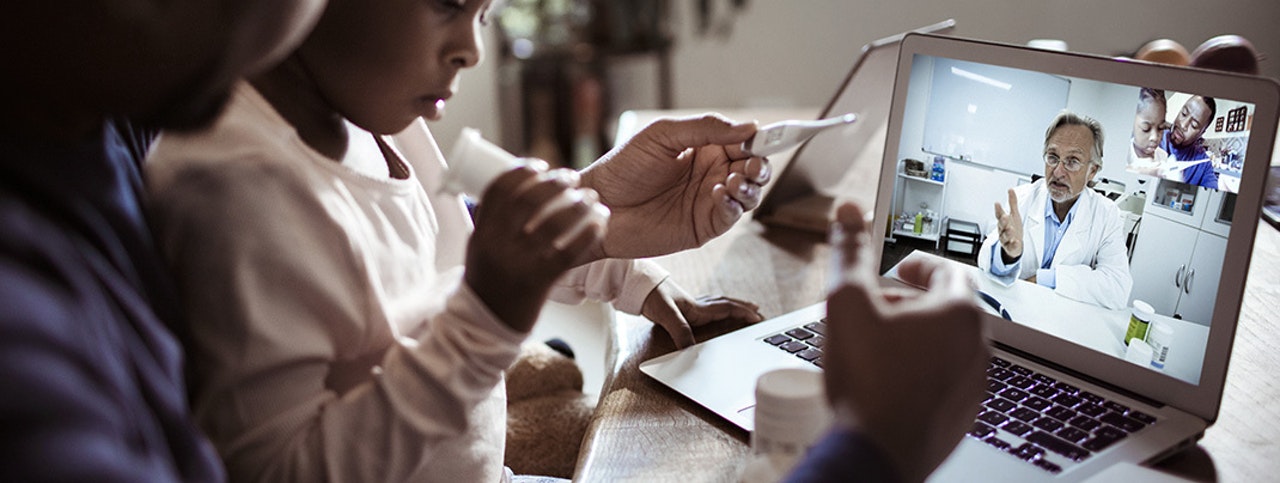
(990, 115)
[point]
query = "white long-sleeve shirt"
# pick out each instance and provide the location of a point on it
(331, 337)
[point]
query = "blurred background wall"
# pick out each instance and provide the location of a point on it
(584, 66)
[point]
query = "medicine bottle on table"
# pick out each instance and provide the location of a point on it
(791, 413)
(1159, 337)
(1139, 321)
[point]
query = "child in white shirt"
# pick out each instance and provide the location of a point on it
(344, 322)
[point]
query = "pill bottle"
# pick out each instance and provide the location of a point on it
(1159, 337)
(1138, 352)
(1139, 320)
(791, 413)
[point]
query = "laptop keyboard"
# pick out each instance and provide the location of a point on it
(1027, 414)
(804, 341)
(1030, 414)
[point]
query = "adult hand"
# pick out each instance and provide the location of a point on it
(1010, 225)
(671, 307)
(531, 227)
(904, 367)
(675, 185)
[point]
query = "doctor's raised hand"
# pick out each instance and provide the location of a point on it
(1010, 226)
(877, 338)
(675, 185)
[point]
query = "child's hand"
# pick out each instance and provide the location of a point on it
(672, 308)
(531, 226)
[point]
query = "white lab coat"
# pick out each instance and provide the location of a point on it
(1092, 264)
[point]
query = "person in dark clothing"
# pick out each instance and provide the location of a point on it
(93, 375)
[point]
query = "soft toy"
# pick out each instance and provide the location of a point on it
(547, 413)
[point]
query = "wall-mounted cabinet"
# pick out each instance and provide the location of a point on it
(1177, 259)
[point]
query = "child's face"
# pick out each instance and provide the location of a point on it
(383, 63)
(1146, 128)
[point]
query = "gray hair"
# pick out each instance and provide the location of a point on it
(1068, 118)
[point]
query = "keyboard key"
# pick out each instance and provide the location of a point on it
(1084, 422)
(1093, 410)
(1019, 370)
(816, 341)
(1048, 424)
(1057, 445)
(1013, 394)
(793, 346)
(809, 354)
(993, 418)
(999, 362)
(818, 362)
(1047, 466)
(1129, 425)
(799, 333)
(1001, 404)
(1021, 382)
(1091, 397)
(1025, 414)
(1038, 404)
(1028, 451)
(819, 327)
(995, 386)
(1067, 388)
(1066, 399)
(1072, 434)
(1043, 379)
(1141, 416)
(1000, 374)
(981, 430)
(1110, 432)
(1044, 390)
(778, 339)
(1000, 444)
(1115, 406)
(1099, 443)
(1017, 427)
(1060, 413)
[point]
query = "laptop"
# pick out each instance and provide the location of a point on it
(802, 195)
(1068, 396)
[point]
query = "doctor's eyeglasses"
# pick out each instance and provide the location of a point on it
(1072, 163)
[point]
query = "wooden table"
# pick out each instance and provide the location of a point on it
(643, 431)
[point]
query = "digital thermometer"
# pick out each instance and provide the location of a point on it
(781, 136)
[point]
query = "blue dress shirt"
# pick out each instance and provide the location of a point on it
(1054, 229)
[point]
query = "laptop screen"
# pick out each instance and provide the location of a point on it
(1096, 212)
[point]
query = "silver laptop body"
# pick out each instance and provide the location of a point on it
(1072, 347)
(803, 193)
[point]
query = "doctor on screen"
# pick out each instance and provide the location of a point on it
(1057, 232)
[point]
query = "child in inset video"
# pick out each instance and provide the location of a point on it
(1145, 155)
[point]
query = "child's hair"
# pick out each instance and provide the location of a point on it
(1148, 95)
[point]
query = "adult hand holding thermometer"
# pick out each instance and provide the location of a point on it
(781, 136)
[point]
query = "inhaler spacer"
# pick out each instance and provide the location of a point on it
(474, 163)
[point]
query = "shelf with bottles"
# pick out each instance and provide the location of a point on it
(1175, 196)
(915, 170)
(924, 225)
